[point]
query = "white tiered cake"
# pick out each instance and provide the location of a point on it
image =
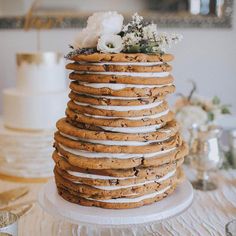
(40, 94)
(29, 114)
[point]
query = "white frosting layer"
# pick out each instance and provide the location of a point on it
(124, 63)
(122, 108)
(132, 74)
(131, 118)
(111, 97)
(120, 86)
(133, 130)
(165, 177)
(136, 199)
(99, 177)
(113, 143)
(114, 155)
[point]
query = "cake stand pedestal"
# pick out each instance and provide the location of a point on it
(98, 218)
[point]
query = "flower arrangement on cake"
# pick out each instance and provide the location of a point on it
(106, 33)
(119, 145)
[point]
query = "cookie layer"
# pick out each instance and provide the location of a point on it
(74, 198)
(125, 125)
(109, 192)
(117, 177)
(125, 92)
(119, 79)
(146, 110)
(170, 129)
(121, 57)
(164, 67)
(97, 146)
(121, 160)
(112, 101)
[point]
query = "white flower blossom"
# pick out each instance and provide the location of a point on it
(100, 23)
(86, 39)
(189, 115)
(165, 40)
(150, 32)
(110, 44)
(131, 39)
(137, 19)
(137, 35)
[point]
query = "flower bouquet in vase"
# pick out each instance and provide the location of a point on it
(197, 117)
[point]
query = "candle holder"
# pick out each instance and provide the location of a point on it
(230, 228)
(206, 156)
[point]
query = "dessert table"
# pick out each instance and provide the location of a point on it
(207, 215)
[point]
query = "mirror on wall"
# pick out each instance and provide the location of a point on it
(27, 14)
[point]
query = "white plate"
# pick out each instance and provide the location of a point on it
(171, 206)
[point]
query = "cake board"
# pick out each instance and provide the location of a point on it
(167, 208)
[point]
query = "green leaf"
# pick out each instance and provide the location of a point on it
(216, 100)
(133, 49)
(211, 116)
(146, 49)
(225, 110)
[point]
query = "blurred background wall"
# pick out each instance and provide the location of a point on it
(207, 56)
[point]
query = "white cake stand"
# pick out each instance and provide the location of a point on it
(171, 206)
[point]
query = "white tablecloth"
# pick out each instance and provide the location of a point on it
(207, 215)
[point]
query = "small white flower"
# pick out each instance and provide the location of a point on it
(150, 32)
(110, 44)
(131, 38)
(136, 18)
(99, 24)
(165, 40)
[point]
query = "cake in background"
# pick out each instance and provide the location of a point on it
(40, 92)
(30, 111)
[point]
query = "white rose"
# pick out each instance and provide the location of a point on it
(190, 115)
(100, 23)
(86, 39)
(110, 44)
(106, 22)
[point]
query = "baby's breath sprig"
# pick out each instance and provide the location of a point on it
(141, 36)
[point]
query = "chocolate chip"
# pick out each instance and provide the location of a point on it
(106, 67)
(142, 161)
(136, 172)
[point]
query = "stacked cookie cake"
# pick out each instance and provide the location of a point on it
(119, 145)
